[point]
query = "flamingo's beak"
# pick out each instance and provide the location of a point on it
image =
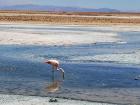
(46, 62)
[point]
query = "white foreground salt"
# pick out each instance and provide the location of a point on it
(35, 100)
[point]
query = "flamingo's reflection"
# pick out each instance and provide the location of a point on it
(53, 87)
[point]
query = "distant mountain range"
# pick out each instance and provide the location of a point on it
(56, 8)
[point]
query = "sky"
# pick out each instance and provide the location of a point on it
(114, 4)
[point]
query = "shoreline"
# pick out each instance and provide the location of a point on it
(69, 24)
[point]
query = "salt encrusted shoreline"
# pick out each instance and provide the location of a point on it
(53, 37)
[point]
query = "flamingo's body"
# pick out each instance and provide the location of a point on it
(54, 63)
(55, 66)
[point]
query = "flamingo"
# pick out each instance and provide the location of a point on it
(55, 66)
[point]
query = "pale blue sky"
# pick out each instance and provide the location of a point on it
(114, 4)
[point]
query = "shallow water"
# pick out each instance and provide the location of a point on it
(22, 70)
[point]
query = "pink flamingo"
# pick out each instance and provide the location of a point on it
(55, 66)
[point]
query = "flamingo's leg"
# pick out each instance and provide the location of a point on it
(53, 68)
